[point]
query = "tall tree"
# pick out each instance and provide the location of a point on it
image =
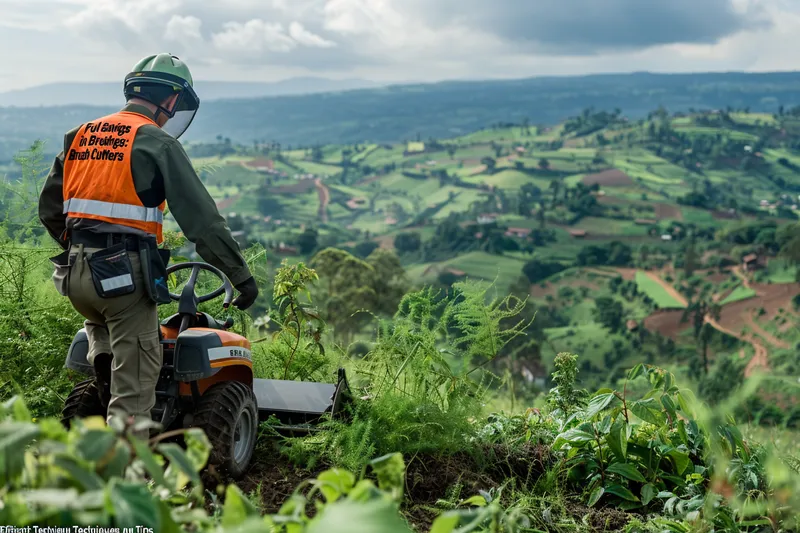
(700, 311)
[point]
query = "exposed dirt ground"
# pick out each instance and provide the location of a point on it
(734, 317)
(668, 211)
(429, 479)
(324, 198)
(608, 178)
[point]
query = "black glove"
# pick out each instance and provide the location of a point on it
(249, 293)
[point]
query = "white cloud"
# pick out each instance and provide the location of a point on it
(183, 28)
(389, 40)
(139, 15)
(306, 38)
(253, 36)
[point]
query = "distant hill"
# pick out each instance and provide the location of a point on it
(439, 110)
(110, 93)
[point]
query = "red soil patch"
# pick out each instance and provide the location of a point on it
(667, 322)
(609, 178)
(228, 202)
(611, 200)
(667, 211)
(324, 197)
(735, 316)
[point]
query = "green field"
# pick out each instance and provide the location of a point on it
(739, 293)
(656, 292)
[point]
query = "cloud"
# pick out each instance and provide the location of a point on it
(254, 36)
(306, 38)
(183, 28)
(589, 27)
(397, 40)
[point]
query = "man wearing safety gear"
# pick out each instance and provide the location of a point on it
(103, 202)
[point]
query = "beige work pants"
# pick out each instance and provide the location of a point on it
(125, 327)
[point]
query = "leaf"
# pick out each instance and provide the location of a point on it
(446, 522)
(682, 432)
(149, 460)
(648, 493)
(686, 400)
(475, 501)
(390, 470)
(86, 479)
(682, 461)
(198, 447)
(635, 372)
(335, 483)
(168, 524)
(21, 412)
(14, 440)
(649, 411)
(237, 508)
(179, 463)
(617, 438)
(595, 496)
(378, 516)
(573, 436)
(133, 505)
(626, 470)
(627, 506)
(622, 492)
(94, 444)
(48, 497)
(669, 405)
(115, 467)
(599, 403)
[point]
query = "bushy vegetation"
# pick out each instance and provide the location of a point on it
(471, 409)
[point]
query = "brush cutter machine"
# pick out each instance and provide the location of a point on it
(207, 381)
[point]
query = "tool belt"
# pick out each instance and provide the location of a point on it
(111, 269)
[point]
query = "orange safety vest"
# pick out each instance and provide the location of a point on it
(98, 182)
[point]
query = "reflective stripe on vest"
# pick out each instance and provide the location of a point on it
(98, 179)
(138, 213)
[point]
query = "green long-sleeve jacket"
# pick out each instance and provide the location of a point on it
(161, 171)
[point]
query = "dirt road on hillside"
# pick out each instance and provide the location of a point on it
(760, 359)
(324, 198)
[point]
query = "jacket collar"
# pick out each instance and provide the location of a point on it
(140, 110)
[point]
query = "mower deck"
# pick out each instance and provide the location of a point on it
(297, 404)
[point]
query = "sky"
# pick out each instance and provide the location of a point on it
(45, 41)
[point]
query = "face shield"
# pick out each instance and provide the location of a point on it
(181, 113)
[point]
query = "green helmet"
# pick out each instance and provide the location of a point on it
(154, 79)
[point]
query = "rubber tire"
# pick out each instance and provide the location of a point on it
(84, 401)
(218, 414)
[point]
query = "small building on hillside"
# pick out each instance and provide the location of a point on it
(283, 249)
(487, 218)
(357, 203)
(666, 237)
(518, 232)
(752, 262)
(632, 325)
(578, 233)
(261, 165)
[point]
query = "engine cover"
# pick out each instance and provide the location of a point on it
(200, 353)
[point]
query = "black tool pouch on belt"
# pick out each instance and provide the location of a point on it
(112, 272)
(154, 269)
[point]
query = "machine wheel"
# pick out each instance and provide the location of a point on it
(84, 401)
(228, 415)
